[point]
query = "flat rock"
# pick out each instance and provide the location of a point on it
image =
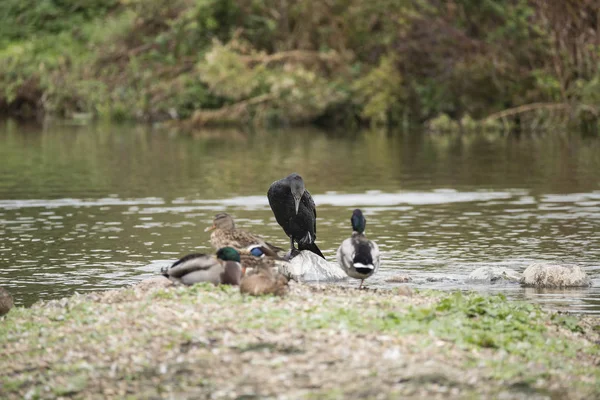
(307, 266)
(494, 275)
(154, 282)
(402, 278)
(555, 276)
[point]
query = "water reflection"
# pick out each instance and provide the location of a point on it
(87, 208)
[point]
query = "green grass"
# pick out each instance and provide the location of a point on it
(507, 341)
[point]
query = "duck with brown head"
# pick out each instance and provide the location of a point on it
(225, 234)
(262, 280)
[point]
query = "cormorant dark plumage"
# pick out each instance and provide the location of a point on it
(357, 255)
(294, 210)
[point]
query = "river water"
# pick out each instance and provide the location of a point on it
(97, 207)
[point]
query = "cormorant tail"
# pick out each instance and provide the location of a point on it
(311, 247)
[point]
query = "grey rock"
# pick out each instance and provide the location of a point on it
(307, 266)
(399, 279)
(555, 276)
(494, 275)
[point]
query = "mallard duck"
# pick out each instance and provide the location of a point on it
(357, 255)
(225, 234)
(263, 280)
(295, 212)
(259, 255)
(195, 268)
(6, 301)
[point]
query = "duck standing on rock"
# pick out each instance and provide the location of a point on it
(225, 234)
(196, 268)
(357, 255)
(295, 211)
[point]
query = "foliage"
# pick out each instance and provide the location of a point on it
(23, 19)
(383, 62)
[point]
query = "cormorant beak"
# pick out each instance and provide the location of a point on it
(297, 203)
(210, 228)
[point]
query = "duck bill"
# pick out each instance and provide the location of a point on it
(243, 271)
(210, 228)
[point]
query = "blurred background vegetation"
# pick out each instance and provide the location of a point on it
(462, 64)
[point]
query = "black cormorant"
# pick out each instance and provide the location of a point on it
(295, 211)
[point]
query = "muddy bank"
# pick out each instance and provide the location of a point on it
(318, 342)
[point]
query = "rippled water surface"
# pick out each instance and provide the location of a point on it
(88, 208)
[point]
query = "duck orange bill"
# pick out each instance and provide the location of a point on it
(210, 228)
(243, 271)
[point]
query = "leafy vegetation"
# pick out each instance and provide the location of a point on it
(462, 63)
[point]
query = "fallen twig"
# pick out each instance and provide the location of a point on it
(526, 108)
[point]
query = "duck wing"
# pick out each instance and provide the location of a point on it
(345, 254)
(240, 240)
(191, 263)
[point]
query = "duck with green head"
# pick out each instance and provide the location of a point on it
(357, 255)
(194, 268)
(225, 234)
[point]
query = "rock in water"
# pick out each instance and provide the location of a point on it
(399, 279)
(555, 276)
(307, 266)
(494, 275)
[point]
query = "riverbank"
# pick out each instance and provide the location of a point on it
(523, 65)
(318, 342)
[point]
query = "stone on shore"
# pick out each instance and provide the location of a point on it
(494, 275)
(154, 282)
(401, 278)
(555, 276)
(308, 267)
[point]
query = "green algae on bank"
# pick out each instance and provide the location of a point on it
(318, 342)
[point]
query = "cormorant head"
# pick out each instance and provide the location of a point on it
(222, 221)
(228, 254)
(297, 189)
(358, 221)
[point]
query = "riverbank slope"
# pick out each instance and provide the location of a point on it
(317, 342)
